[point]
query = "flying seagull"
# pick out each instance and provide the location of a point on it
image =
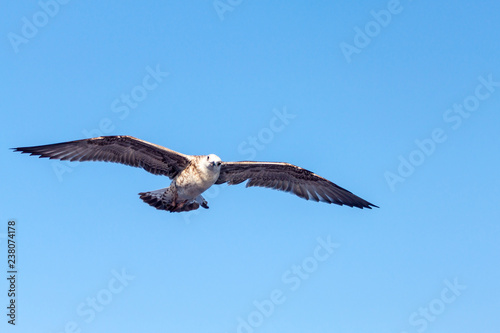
(193, 174)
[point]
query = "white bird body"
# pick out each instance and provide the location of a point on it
(198, 177)
(186, 188)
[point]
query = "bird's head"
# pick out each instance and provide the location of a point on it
(213, 161)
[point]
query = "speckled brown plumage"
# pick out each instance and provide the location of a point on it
(192, 175)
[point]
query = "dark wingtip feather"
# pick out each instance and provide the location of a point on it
(367, 205)
(23, 150)
(31, 151)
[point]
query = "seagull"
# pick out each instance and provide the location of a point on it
(193, 174)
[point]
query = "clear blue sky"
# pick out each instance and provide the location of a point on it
(396, 101)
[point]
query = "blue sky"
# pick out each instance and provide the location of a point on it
(396, 101)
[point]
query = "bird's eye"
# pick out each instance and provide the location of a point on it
(208, 158)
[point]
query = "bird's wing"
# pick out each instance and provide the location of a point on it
(119, 149)
(289, 178)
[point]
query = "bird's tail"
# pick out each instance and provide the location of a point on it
(166, 199)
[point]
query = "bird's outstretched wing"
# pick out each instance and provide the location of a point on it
(119, 149)
(289, 178)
